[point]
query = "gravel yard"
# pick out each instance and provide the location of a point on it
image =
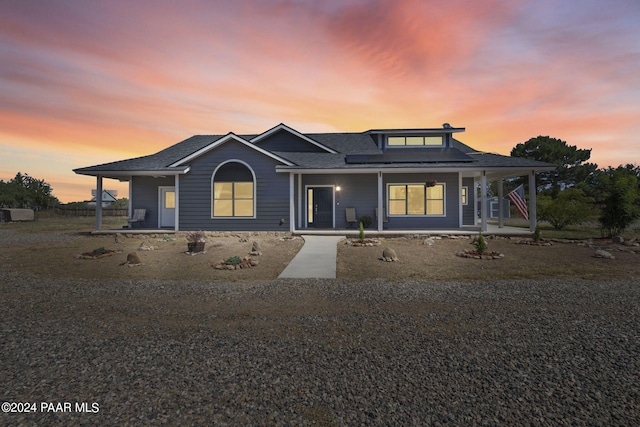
(322, 352)
(555, 351)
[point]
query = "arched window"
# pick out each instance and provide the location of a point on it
(233, 190)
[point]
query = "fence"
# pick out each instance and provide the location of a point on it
(89, 211)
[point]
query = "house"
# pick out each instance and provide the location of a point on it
(108, 197)
(282, 179)
(493, 208)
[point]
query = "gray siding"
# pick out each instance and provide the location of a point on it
(452, 199)
(356, 191)
(144, 195)
(468, 211)
(287, 142)
(272, 192)
(361, 192)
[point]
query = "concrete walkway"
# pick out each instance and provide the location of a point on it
(316, 259)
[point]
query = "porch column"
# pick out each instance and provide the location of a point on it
(532, 201)
(380, 204)
(460, 217)
(99, 203)
(500, 203)
(176, 226)
(292, 204)
(483, 201)
(299, 201)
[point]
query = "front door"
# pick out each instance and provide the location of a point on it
(320, 207)
(167, 207)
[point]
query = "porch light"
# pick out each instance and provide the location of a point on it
(338, 188)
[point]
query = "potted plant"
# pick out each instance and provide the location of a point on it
(195, 241)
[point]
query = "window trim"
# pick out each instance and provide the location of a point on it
(425, 215)
(423, 145)
(213, 179)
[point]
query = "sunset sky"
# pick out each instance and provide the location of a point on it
(88, 82)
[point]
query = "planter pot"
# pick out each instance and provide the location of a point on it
(195, 247)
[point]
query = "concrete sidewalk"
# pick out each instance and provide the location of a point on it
(316, 259)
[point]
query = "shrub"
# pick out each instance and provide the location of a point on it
(361, 232)
(366, 221)
(570, 207)
(234, 260)
(536, 234)
(481, 244)
(196, 236)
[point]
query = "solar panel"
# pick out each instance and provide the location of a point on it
(415, 155)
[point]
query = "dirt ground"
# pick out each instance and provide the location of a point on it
(417, 261)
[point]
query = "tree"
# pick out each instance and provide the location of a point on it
(621, 200)
(24, 191)
(570, 207)
(569, 160)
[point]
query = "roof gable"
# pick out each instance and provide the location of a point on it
(280, 145)
(229, 137)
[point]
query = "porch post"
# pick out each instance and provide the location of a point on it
(500, 203)
(292, 205)
(299, 201)
(380, 204)
(99, 202)
(176, 226)
(483, 198)
(460, 220)
(532, 201)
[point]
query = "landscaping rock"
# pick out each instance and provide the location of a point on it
(617, 239)
(601, 253)
(255, 249)
(145, 246)
(133, 260)
(389, 255)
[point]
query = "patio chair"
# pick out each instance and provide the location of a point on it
(137, 218)
(384, 216)
(351, 217)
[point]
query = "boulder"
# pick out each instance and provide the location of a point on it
(255, 248)
(389, 254)
(134, 258)
(601, 253)
(617, 239)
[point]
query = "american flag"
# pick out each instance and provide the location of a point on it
(517, 198)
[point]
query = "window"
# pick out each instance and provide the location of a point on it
(233, 191)
(463, 195)
(416, 199)
(414, 141)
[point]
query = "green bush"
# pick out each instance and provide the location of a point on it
(99, 251)
(570, 207)
(234, 260)
(361, 232)
(481, 244)
(366, 221)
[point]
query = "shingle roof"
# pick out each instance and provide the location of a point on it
(345, 144)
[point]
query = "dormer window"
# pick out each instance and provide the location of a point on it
(415, 141)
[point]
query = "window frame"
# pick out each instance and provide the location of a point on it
(406, 138)
(425, 199)
(233, 199)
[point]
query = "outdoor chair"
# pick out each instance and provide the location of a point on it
(384, 216)
(137, 218)
(351, 217)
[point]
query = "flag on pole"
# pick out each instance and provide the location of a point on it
(517, 198)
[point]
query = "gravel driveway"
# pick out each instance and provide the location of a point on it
(320, 352)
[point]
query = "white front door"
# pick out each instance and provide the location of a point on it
(167, 207)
